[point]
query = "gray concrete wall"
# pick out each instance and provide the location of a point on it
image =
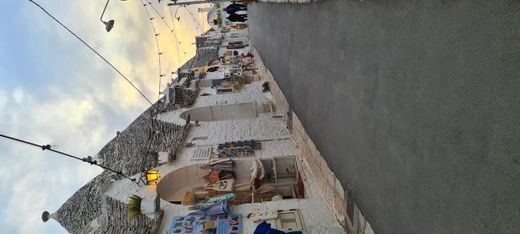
(416, 104)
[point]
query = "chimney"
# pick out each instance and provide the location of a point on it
(46, 216)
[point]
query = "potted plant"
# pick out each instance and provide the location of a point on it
(134, 206)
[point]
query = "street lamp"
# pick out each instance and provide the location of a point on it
(108, 24)
(152, 176)
(149, 177)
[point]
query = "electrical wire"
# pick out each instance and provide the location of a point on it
(177, 44)
(197, 23)
(172, 29)
(168, 25)
(173, 32)
(93, 50)
(87, 159)
(159, 53)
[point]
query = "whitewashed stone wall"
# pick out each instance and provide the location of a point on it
(115, 219)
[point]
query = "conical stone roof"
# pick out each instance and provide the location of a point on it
(127, 152)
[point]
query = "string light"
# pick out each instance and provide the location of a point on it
(195, 21)
(159, 53)
(87, 159)
(175, 35)
(172, 30)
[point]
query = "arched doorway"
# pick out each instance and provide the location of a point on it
(174, 185)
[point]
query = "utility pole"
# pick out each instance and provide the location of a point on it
(187, 2)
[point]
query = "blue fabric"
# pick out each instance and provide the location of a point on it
(222, 226)
(265, 228)
(183, 224)
(194, 224)
(217, 209)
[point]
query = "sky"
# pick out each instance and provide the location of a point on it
(54, 90)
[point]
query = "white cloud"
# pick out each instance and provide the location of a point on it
(19, 95)
(35, 187)
(38, 180)
(3, 99)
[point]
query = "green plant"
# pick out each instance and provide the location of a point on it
(134, 206)
(218, 21)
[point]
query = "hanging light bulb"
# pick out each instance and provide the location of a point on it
(152, 176)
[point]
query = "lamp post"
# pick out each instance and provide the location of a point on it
(108, 24)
